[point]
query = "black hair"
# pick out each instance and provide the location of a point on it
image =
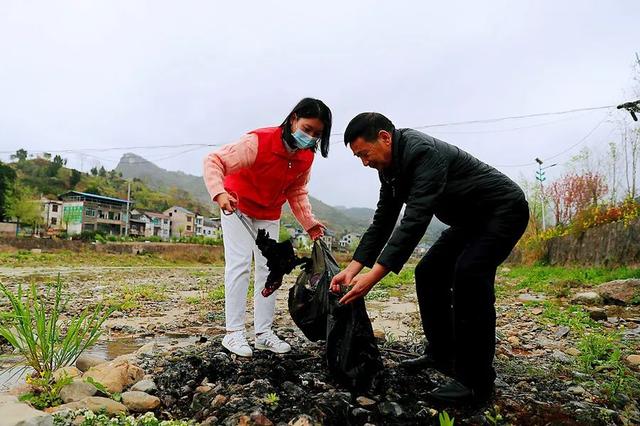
(310, 108)
(367, 125)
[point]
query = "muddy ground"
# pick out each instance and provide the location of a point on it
(181, 309)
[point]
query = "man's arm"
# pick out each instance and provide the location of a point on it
(429, 177)
(376, 236)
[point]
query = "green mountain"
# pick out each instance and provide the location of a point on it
(338, 220)
(50, 178)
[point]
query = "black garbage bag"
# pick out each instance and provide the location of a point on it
(352, 355)
(281, 260)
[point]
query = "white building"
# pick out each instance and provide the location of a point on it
(211, 227)
(51, 214)
(349, 240)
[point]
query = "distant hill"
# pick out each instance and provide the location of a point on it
(134, 166)
(44, 177)
(339, 219)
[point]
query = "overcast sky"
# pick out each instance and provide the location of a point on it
(84, 75)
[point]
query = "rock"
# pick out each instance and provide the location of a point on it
(562, 331)
(14, 412)
(302, 420)
(634, 360)
(537, 311)
(140, 402)
(147, 349)
(259, 419)
(77, 391)
(361, 415)
(115, 376)
(218, 401)
(561, 357)
(526, 297)
(68, 371)
(36, 251)
(390, 409)
(363, 401)
(203, 389)
(587, 298)
(513, 341)
(292, 389)
(210, 421)
(572, 351)
(145, 385)
(577, 390)
(597, 314)
(619, 292)
(85, 362)
(92, 403)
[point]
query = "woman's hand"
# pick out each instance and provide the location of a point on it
(226, 202)
(316, 231)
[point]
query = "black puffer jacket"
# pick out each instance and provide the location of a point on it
(433, 178)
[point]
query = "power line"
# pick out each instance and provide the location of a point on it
(582, 140)
(426, 126)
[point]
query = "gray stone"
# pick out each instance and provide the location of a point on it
(562, 331)
(20, 414)
(93, 403)
(619, 292)
(85, 362)
(526, 297)
(390, 409)
(301, 420)
(140, 402)
(146, 385)
(587, 298)
(597, 314)
(561, 357)
(363, 401)
(77, 391)
(577, 390)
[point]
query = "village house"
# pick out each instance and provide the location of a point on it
(182, 221)
(84, 212)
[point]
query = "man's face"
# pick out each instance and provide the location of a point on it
(375, 154)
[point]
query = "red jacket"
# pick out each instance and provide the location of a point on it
(262, 187)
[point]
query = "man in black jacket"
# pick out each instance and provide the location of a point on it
(487, 214)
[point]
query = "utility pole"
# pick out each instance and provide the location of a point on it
(540, 177)
(126, 223)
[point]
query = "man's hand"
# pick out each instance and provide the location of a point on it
(343, 278)
(362, 284)
(226, 202)
(316, 231)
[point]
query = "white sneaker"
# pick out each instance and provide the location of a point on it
(269, 341)
(236, 342)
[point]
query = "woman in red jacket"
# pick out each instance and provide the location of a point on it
(256, 175)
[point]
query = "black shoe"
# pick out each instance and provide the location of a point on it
(426, 361)
(455, 393)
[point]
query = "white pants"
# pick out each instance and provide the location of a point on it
(239, 248)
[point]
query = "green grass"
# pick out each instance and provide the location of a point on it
(25, 258)
(128, 297)
(39, 332)
(572, 316)
(557, 280)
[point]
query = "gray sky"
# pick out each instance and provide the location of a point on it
(101, 74)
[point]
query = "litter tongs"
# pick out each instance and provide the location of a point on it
(242, 218)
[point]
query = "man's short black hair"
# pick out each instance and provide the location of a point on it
(367, 125)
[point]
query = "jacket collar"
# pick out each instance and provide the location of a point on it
(397, 146)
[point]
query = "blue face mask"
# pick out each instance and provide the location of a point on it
(303, 140)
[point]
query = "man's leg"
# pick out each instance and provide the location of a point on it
(434, 287)
(474, 297)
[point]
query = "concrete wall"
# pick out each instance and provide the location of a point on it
(198, 252)
(613, 244)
